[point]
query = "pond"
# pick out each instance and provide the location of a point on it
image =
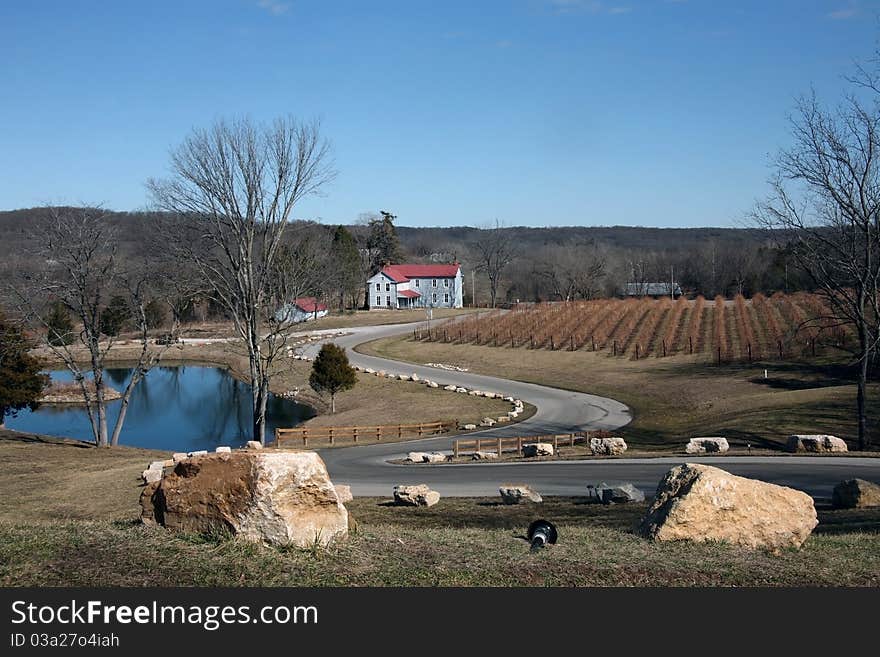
(180, 408)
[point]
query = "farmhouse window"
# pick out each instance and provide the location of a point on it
(434, 282)
(445, 282)
(387, 301)
(434, 297)
(378, 300)
(378, 287)
(417, 282)
(446, 298)
(388, 287)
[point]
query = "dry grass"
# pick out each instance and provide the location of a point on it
(673, 398)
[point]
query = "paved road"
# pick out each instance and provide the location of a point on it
(367, 470)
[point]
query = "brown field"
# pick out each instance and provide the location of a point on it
(779, 327)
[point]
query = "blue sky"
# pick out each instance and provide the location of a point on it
(534, 112)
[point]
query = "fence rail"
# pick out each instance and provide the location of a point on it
(362, 433)
(501, 445)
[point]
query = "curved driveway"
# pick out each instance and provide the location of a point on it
(366, 468)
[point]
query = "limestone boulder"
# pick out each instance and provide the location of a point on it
(484, 456)
(433, 384)
(416, 457)
(254, 444)
(696, 502)
(450, 388)
(613, 446)
(469, 427)
(502, 418)
(518, 493)
(537, 449)
(620, 494)
(418, 495)
(343, 493)
(151, 475)
(711, 445)
(856, 494)
(271, 497)
(815, 443)
(487, 422)
(223, 449)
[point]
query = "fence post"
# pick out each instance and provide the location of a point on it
(750, 351)
(510, 333)
(555, 444)
(637, 350)
(499, 448)
(378, 434)
(531, 341)
(519, 445)
(400, 431)
(277, 439)
(478, 444)
(571, 439)
(779, 344)
(593, 342)
(691, 345)
(455, 449)
(664, 348)
(355, 434)
(719, 355)
(614, 348)
(571, 339)
(552, 346)
(420, 430)
(330, 434)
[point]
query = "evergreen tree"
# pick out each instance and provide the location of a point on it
(383, 243)
(332, 373)
(60, 327)
(115, 316)
(347, 265)
(20, 380)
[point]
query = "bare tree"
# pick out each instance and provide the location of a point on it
(496, 249)
(233, 188)
(80, 268)
(572, 272)
(826, 201)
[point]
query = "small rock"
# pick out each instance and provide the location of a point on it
(177, 457)
(508, 399)
(223, 449)
(619, 494)
(489, 395)
(537, 449)
(151, 475)
(253, 444)
(156, 465)
(417, 457)
(707, 445)
(433, 384)
(855, 494)
(369, 370)
(503, 418)
(343, 492)
(484, 456)
(201, 452)
(608, 446)
(516, 493)
(461, 390)
(435, 457)
(487, 422)
(469, 427)
(419, 495)
(815, 443)
(415, 377)
(450, 388)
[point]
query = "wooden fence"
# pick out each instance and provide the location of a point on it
(331, 435)
(500, 445)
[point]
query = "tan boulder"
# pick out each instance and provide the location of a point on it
(277, 498)
(711, 445)
(815, 443)
(418, 495)
(516, 493)
(697, 502)
(613, 446)
(483, 456)
(855, 494)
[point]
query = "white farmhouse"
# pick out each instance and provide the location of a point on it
(302, 309)
(416, 286)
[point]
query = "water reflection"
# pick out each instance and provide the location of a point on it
(181, 408)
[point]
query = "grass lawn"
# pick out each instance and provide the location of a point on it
(71, 520)
(675, 398)
(381, 317)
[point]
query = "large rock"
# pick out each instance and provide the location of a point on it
(487, 422)
(711, 445)
(701, 503)
(273, 497)
(516, 493)
(418, 495)
(426, 457)
(613, 446)
(484, 456)
(815, 443)
(537, 449)
(620, 494)
(855, 494)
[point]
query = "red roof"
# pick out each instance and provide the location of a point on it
(309, 305)
(402, 273)
(411, 294)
